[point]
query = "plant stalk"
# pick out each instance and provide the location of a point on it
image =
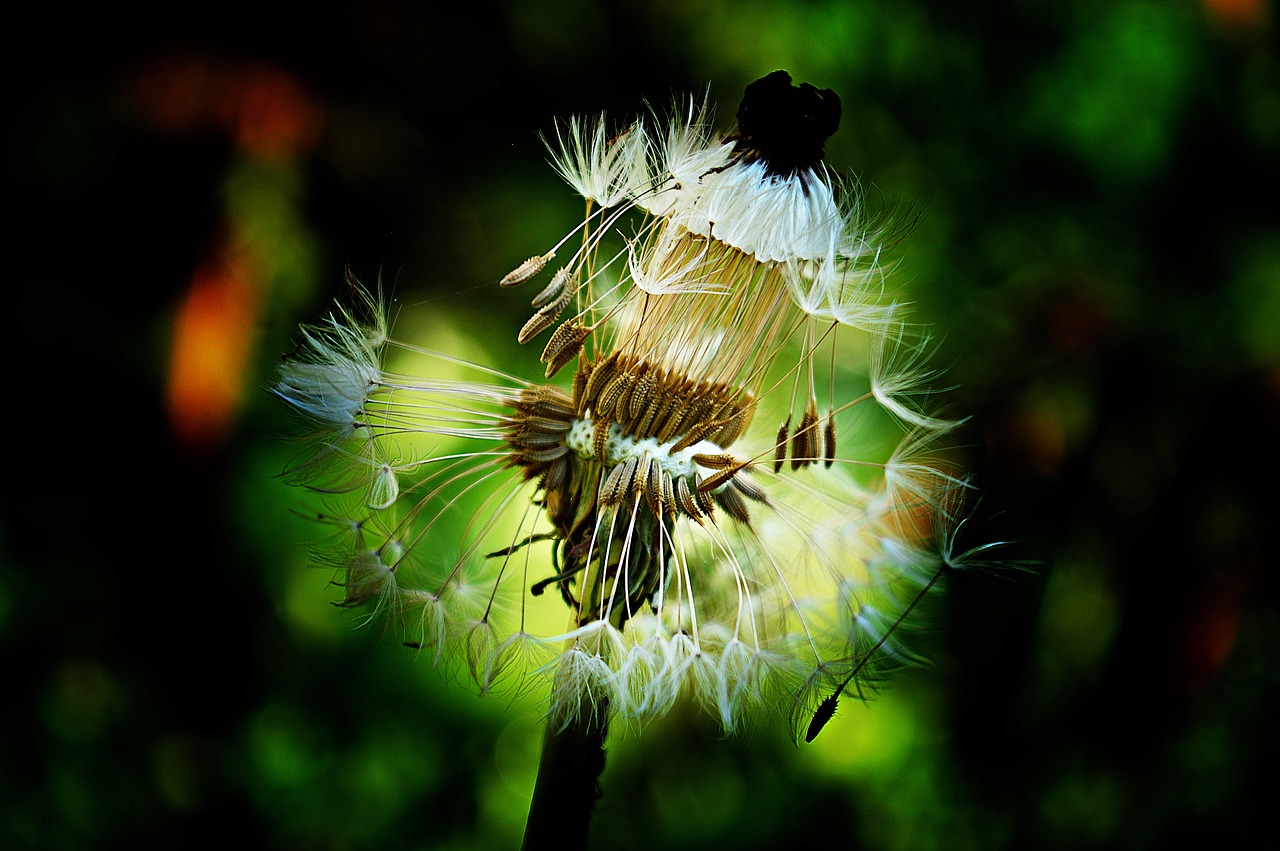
(567, 788)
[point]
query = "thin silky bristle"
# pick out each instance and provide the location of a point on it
(826, 710)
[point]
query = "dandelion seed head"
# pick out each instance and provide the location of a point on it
(630, 535)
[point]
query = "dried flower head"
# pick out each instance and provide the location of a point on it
(687, 497)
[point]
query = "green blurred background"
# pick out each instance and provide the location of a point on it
(1100, 256)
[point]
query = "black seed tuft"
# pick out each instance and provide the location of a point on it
(785, 126)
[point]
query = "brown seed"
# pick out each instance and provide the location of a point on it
(601, 375)
(553, 308)
(667, 494)
(642, 394)
(719, 462)
(738, 418)
(705, 503)
(547, 423)
(606, 404)
(556, 476)
(685, 499)
(543, 455)
(619, 483)
(749, 488)
(733, 505)
(693, 435)
(640, 478)
(565, 345)
(805, 443)
(535, 326)
(718, 478)
(600, 438)
(553, 289)
(552, 401)
(580, 383)
(780, 445)
(526, 270)
(532, 438)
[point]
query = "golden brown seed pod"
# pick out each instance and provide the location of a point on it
(718, 478)
(531, 437)
(733, 505)
(553, 289)
(553, 308)
(607, 402)
(705, 503)
(619, 482)
(640, 476)
(535, 326)
(718, 462)
(667, 494)
(556, 476)
(668, 417)
(780, 445)
(806, 445)
(580, 378)
(693, 435)
(541, 423)
(551, 401)
(613, 392)
(565, 345)
(600, 437)
(685, 499)
(526, 270)
(738, 417)
(749, 487)
(642, 394)
(543, 455)
(601, 374)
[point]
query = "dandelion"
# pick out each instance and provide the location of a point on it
(682, 515)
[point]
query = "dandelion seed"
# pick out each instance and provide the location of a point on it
(526, 270)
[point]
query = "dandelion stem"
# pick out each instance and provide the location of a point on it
(567, 788)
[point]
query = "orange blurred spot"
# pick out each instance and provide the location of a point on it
(275, 117)
(211, 346)
(1209, 635)
(264, 109)
(1239, 15)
